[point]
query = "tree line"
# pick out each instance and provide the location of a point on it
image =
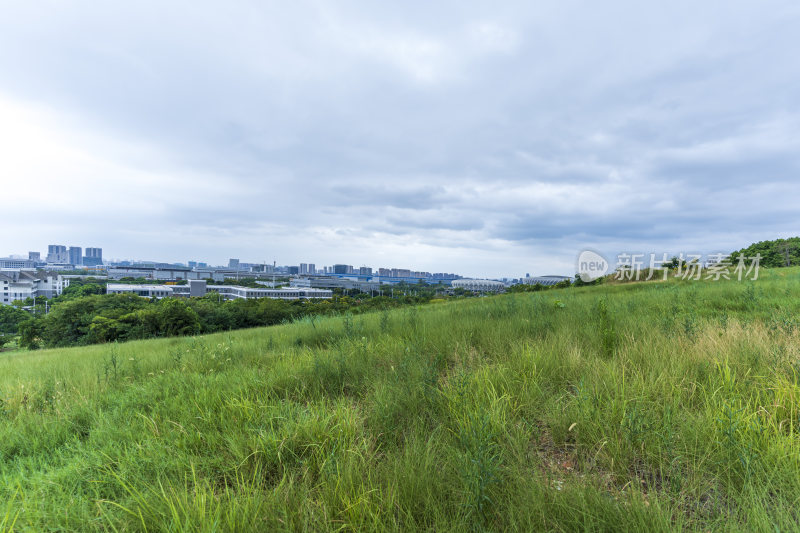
(83, 314)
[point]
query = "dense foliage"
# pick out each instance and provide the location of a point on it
(74, 319)
(10, 318)
(777, 253)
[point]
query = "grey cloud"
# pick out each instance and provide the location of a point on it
(502, 126)
(398, 196)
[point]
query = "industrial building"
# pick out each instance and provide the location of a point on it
(145, 291)
(198, 288)
(545, 280)
(479, 285)
(164, 273)
(326, 282)
(13, 262)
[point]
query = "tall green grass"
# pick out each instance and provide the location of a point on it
(650, 406)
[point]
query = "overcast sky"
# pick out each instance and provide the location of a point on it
(485, 138)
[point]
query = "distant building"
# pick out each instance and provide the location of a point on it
(93, 257)
(334, 283)
(197, 288)
(13, 262)
(233, 263)
(166, 273)
(146, 291)
(232, 292)
(545, 280)
(34, 256)
(342, 269)
(75, 255)
(227, 292)
(479, 285)
(57, 254)
(21, 284)
(365, 271)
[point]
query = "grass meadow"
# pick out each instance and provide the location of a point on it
(654, 406)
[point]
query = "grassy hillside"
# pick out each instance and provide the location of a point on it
(651, 406)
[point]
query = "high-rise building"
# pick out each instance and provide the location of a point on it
(57, 254)
(34, 256)
(312, 268)
(75, 255)
(303, 268)
(233, 263)
(341, 269)
(93, 257)
(293, 270)
(365, 271)
(96, 253)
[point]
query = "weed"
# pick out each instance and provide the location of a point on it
(689, 324)
(349, 328)
(412, 318)
(384, 322)
(734, 439)
(480, 466)
(607, 330)
(750, 297)
(634, 424)
(111, 364)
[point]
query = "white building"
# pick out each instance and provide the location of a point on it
(545, 280)
(22, 284)
(228, 292)
(149, 272)
(479, 285)
(146, 291)
(16, 263)
(232, 292)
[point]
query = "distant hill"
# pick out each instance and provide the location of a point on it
(777, 253)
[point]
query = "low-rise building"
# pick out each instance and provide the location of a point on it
(164, 273)
(23, 284)
(545, 280)
(227, 292)
(479, 285)
(233, 292)
(146, 291)
(336, 283)
(15, 262)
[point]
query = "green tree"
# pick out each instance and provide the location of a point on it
(10, 319)
(774, 254)
(30, 334)
(177, 318)
(103, 329)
